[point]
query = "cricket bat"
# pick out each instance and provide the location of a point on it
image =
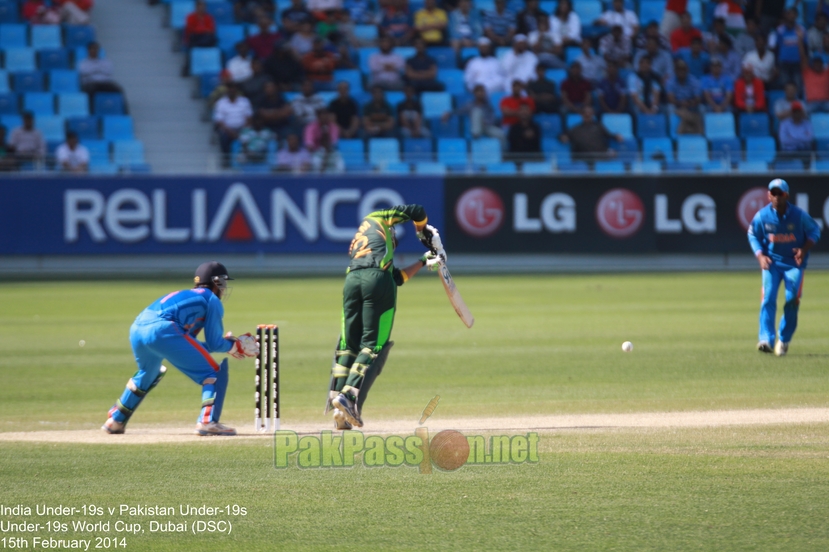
(455, 296)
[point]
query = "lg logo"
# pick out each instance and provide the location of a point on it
(620, 213)
(479, 212)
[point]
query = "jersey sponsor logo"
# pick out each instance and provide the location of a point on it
(479, 212)
(620, 213)
(751, 202)
(782, 238)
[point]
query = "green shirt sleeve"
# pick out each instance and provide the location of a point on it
(402, 213)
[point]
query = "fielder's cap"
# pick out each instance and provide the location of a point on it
(780, 184)
(519, 38)
(797, 106)
(484, 41)
(209, 271)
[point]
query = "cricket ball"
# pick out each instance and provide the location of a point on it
(449, 450)
(627, 346)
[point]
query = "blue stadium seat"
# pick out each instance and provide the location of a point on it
(352, 76)
(117, 127)
(103, 168)
(127, 152)
(179, 12)
(394, 97)
(652, 147)
(53, 127)
(353, 152)
(650, 126)
(208, 83)
(98, 152)
(573, 167)
(39, 103)
(692, 149)
(365, 53)
(366, 33)
(452, 152)
(430, 167)
(27, 81)
(449, 129)
(9, 103)
(396, 167)
(550, 124)
(618, 124)
(719, 125)
(405, 52)
(78, 35)
(56, 58)
(761, 148)
(13, 35)
(73, 104)
(9, 11)
(467, 53)
(63, 80)
(548, 6)
(444, 56)
(383, 150)
(87, 128)
(205, 60)
(822, 165)
(646, 167)
(453, 79)
(435, 104)
(495, 100)
(822, 147)
(789, 165)
(4, 82)
(754, 124)
(108, 103)
(588, 11)
(694, 7)
(627, 150)
(20, 59)
(820, 125)
(716, 166)
(651, 10)
(537, 168)
(726, 148)
(555, 151)
(417, 149)
(572, 120)
(609, 167)
(485, 151)
(504, 167)
(46, 36)
(222, 12)
(571, 53)
(556, 75)
(228, 36)
(681, 167)
(11, 121)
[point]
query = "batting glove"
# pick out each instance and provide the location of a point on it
(431, 260)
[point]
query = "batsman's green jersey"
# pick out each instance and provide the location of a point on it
(370, 297)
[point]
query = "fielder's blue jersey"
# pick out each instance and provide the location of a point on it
(191, 310)
(776, 236)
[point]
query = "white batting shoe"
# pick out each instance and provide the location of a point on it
(113, 427)
(780, 349)
(340, 423)
(214, 428)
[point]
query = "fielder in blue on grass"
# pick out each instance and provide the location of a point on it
(168, 329)
(781, 235)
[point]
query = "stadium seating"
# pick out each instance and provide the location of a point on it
(13, 35)
(9, 103)
(108, 103)
(383, 150)
(761, 148)
(619, 124)
(46, 37)
(52, 127)
(537, 168)
(692, 149)
(39, 103)
(452, 152)
(657, 149)
(501, 168)
(205, 60)
(646, 167)
(430, 167)
(719, 125)
(63, 81)
(53, 58)
(9, 11)
(820, 125)
(87, 128)
(352, 76)
(754, 124)
(435, 104)
(28, 81)
(609, 167)
(78, 35)
(485, 151)
(73, 104)
(549, 124)
(650, 126)
(20, 58)
(117, 127)
(417, 150)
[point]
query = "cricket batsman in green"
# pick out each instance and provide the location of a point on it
(369, 301)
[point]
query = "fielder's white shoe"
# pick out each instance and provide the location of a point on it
(780, 349)
(113, 427)
(214, 428)
(764, 347)
(340, 422)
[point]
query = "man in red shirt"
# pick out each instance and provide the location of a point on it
(682, 37)
(815, 80)
(671, 16)
(200, 28)
(319, 65)
(575, 90)
(511, 104)
(263, 43)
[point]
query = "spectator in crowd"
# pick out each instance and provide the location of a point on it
(499, 24)
(612, 91)
(749, 92)
(360, 12)
(524, 137)
(431, 23)
(761, 61)
(306, 105)
(293, 157)
(795, 133)
(230, 115)
(482, 121)
(593, 66)
(276, 113)
(396, 23)
(37, 12)
(575, 90)
(651, 30)
(645, 88)
(27, 141)
(590, 139)
(253, 86)
(616, 47)
(321, 8)
(465, 27)
(250, 11)
(744, 42)
(253, 141)
(565, 25)
(325, 124)
(662, 63)
(787, 40)
(618, 15)
(711, 39)
(302, 41)
(815, 35)
(527, 20)
(422, 70)
(510, 105)
(484, 69)
(672, 17)
(519, 63)
(239, 65)
(698, 60)
(783, 106)
(327, 159)
(96, 75)
(200, 28)
(769, 12)
(284, 68)
(7, 158)
(684, 95)
(732, 14)
(717, 89)
(682, 37)
(345, 110)
(319, 65)
(815, 82)
(542, 43)
(378, 116)
(410, 116)
(386, 66)
(263, 43)
(731, 61)
(72, 156)
(543, 91)
(293, 17)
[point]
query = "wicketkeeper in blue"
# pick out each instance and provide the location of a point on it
(168, 329)
(781, 235)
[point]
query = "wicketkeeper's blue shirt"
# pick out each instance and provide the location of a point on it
(777, 236)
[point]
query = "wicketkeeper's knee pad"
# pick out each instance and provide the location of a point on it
(213, 395)
(132, 396)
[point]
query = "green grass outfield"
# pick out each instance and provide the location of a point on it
(540, 345)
